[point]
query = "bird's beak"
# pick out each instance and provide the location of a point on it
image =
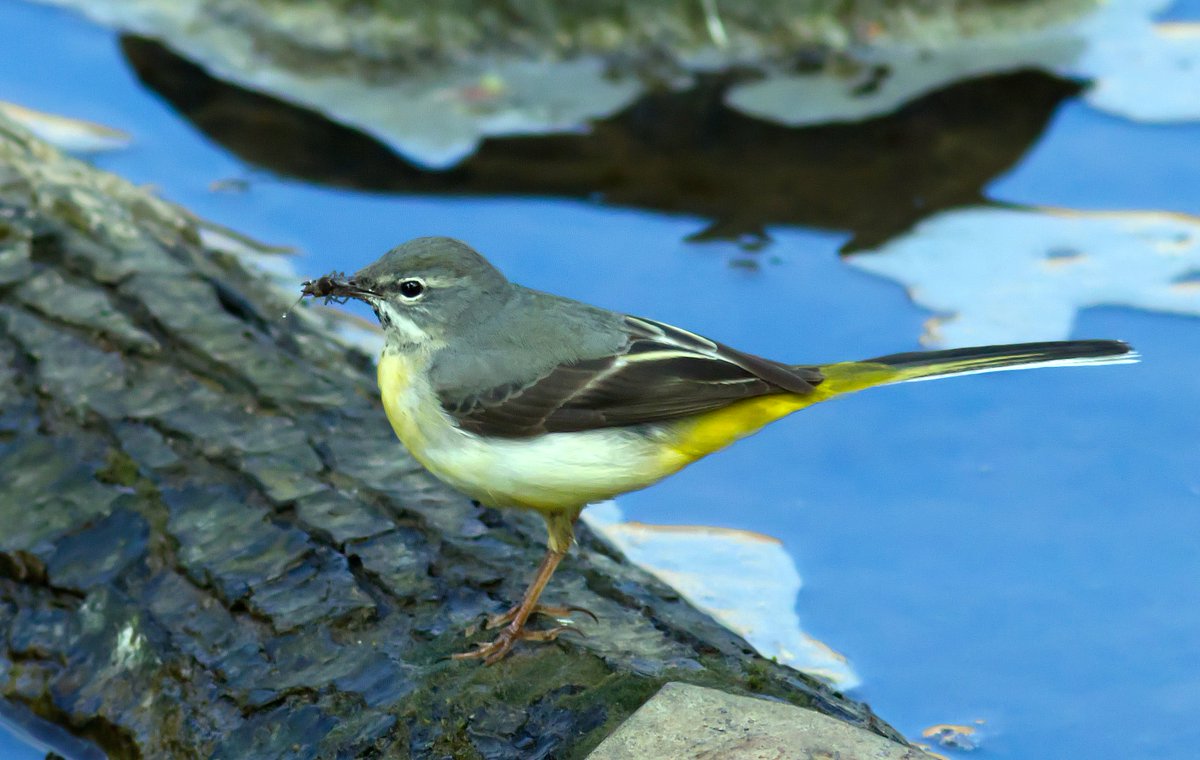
(336, 285)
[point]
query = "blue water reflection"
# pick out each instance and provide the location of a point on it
(1017, 548)
(12, 748)
(1096, 161)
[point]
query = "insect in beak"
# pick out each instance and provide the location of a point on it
(334, 286)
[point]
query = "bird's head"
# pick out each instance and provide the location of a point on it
(421, 291)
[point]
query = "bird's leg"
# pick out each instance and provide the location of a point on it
(552, 610)
(515, 630)
(562, 533)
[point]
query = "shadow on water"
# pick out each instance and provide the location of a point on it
(680, 152)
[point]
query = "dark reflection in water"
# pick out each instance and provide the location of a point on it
(680, 152)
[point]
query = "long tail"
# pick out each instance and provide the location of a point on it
(846, 377)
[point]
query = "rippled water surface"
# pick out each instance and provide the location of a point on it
(1014, 551)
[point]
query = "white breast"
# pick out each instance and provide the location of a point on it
(548, 472)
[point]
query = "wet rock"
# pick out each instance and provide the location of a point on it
(15, 245)
(47, 491)
(146, 446)
(283, 732)
(320, 587)
(312, 660)
(400, 560)
(285, 474)
(338, 519)
(361, 736)
(96, 555)
(229, 545)
(36, 631)
(55, 297)
(365, 456)
(204, 630)
(68, 367)
(213, 546)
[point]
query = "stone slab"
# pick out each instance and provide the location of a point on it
(687, 721)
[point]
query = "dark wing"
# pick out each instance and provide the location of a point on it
(662, 373)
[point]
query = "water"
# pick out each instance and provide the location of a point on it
(1017, 549)
(24, 736)
(12, 748)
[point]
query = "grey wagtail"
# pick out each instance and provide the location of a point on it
(524, 399)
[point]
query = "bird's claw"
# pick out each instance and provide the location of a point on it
(504, 618)
(494, 651)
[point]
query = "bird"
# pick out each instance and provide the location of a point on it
(524, 399)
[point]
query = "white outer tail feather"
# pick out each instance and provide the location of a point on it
(1133, 357)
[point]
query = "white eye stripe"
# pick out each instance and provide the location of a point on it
(441, 282)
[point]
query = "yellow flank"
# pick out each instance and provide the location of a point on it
(702, 435)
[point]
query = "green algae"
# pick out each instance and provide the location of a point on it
(119, 470)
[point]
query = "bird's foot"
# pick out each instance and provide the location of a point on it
(504, 618)
(493, 652)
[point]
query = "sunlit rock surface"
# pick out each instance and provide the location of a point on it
(213, 545)
(1136, 68)
(1142, 70)
(432, 79)
(745, 580)
(64, 132)
(882, 76)
(995, 275)
(685, 721)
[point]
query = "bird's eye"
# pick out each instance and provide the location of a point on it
(411, 288)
